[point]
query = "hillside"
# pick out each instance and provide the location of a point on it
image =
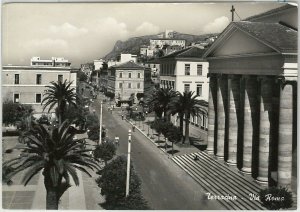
(132, 45)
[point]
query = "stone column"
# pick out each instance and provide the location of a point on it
(212, 110)
(285, 141)
(265, 129)
(250, 106)
(233, 111)
(221, 108)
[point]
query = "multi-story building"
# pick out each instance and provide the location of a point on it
(26, 84)
(186, 70)
(127, 79)
(155, 69)
(159, 43)
(55, 62)
(253, 73)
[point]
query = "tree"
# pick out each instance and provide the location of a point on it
(159, 101)
(57, 154)
(82, 76)
(190, 106)
(174, 135)
(105, 151)
(113, 185)
(75, 113)
(92, 120)
(14, 112)
(177, 106)
(60, 94)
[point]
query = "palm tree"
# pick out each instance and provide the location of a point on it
(177, 106)
(57, 154)
(60, 94)
(187, 106)
(159, 101)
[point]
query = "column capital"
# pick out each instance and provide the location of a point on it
(234, 76)
(286, 80)
(249, 77)
(211, 75)
(265, 77)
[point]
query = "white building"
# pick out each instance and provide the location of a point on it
(54, 61)
(186, 70)
(26, 84)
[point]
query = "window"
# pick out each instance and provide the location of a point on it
(139, 85)
(60, 78)
(38, 98)
(17, 79)
(16, 97)
(186, 87)
(38, 79)
(129, 85)
(120, 85)
(199, 70)
(199, 90)
(139, 75)
(120, 75)
(187, 69)
(129, 75)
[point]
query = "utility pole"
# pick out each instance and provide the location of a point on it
(232, 13)
(100, 132)
(128, 163)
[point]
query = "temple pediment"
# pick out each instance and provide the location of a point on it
(246, 38)
(240, 43)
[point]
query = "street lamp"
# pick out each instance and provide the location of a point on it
(128, 163)
(100, 130)
(148, 123)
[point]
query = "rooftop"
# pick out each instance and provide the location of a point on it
(270, 12)
(282, 38)
(128, 65)
(190, 52)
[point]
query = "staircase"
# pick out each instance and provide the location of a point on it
(217, 179)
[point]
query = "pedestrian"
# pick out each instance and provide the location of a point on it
(133, 128)
(122, 117)
(196, 157)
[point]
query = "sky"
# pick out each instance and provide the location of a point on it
(82, 32)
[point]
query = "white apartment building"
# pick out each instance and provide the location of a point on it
(26, 84)
(186, 70)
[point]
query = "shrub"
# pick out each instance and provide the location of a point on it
(113, 185)
(105, 151)
(93, 133)
(274, 198)
(44, 120)
(139, 95)
(92, 120)
(174, 134)
(10, 133)
(13, 112)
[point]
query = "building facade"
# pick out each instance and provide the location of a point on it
(186, 70)
(127, 79)
(253, 74)
(159, 43)
(26, 84)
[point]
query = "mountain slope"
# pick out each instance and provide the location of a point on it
(132, 45)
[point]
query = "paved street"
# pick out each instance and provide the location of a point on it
(164, 184)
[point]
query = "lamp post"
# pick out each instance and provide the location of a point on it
(128, 163)
(144, 125)
(100, 132)
(148, 123)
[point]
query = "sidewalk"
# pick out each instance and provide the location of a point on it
(159, 141)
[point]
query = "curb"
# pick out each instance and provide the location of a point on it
(147, 137)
